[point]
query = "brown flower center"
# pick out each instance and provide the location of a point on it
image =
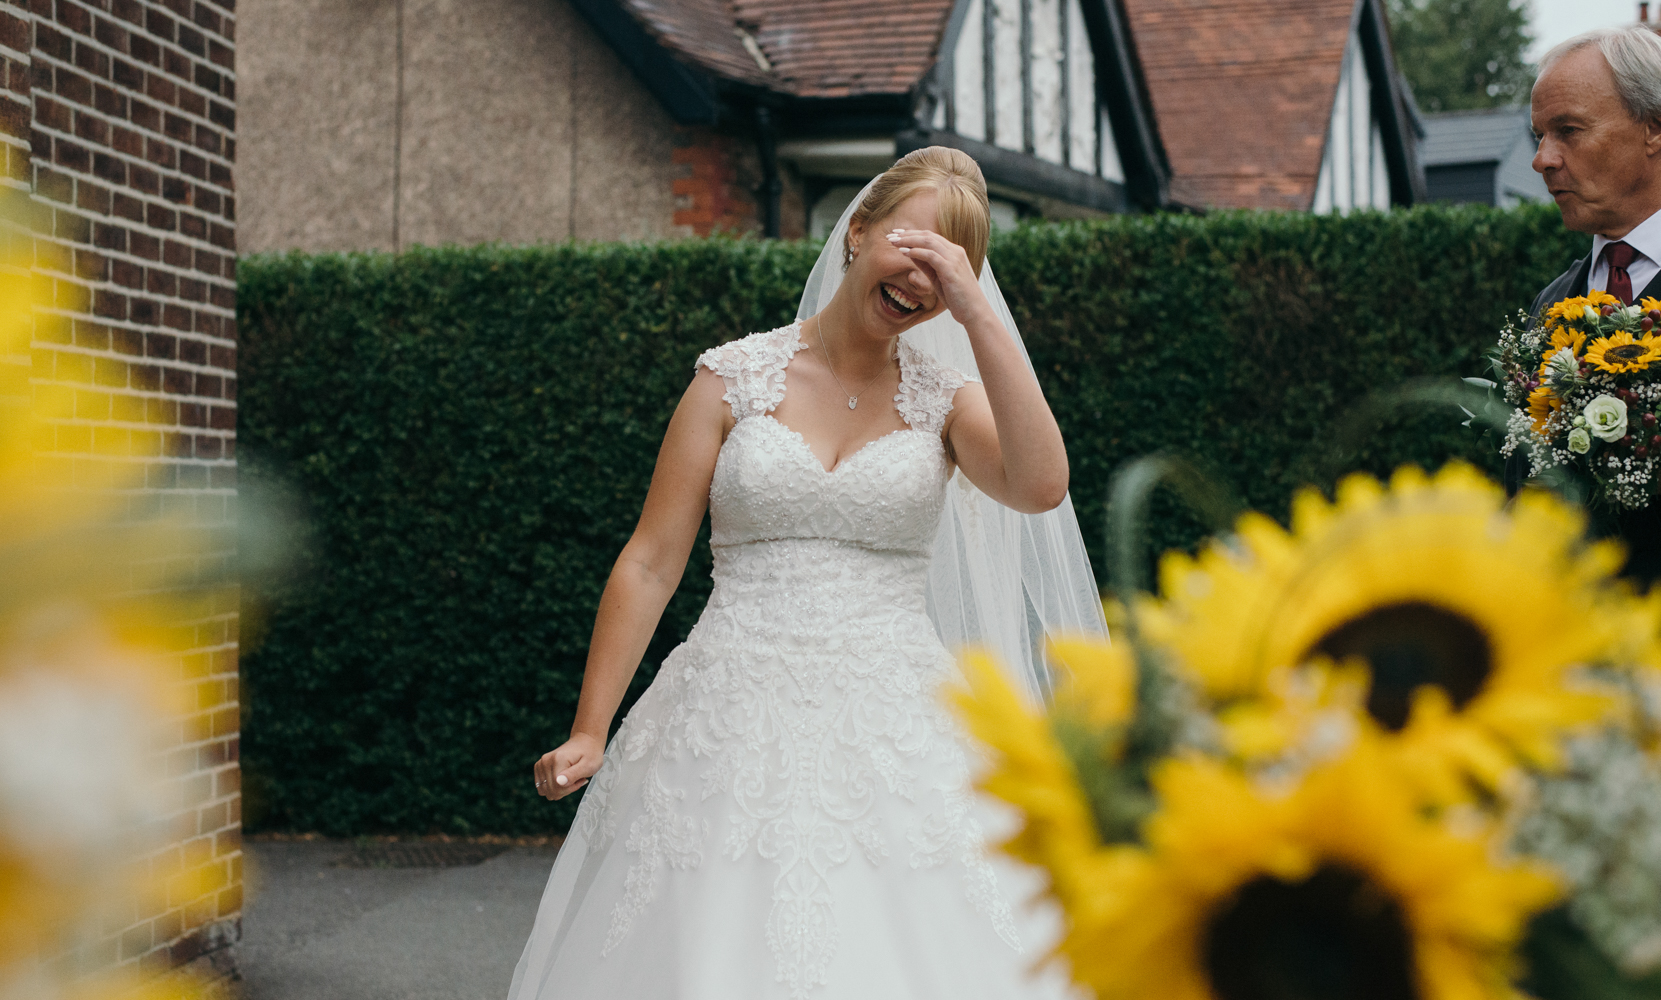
(1333, 936)
(1625, 352)
(1407, 646)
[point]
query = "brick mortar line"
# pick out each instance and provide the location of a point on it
(202, 743)
(188, 366)
(110, 284)
(206, 307)
(44, 57)
(97, 12)
(129, 27)
(126, 188)
(131, 392)
(152, 5)
(131, 126)
(127, 256)
(190, 241)
(211, 463)
(150, 459)
(130, 257)
(111, 354)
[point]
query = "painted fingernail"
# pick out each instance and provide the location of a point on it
(562, 780)
(905, 249)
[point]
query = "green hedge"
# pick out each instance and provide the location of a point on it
(472, 432)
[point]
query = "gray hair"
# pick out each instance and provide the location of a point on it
(1634, 56)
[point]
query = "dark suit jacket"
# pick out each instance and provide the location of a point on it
(1640, 529)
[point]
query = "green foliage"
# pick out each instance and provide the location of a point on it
(473, 431)
(1463, 54)
(1564, 964)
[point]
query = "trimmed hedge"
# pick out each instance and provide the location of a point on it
(473, 430)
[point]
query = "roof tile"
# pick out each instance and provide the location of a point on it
(1243, 94)
(817, 48)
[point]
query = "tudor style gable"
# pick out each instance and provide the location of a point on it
(1043, 93)
(1270, 104)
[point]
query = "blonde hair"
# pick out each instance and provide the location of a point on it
(962, 216)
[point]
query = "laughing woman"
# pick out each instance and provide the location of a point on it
(786, 812)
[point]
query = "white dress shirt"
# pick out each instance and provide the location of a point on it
(1644, 238)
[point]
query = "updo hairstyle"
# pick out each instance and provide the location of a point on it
(963, 215)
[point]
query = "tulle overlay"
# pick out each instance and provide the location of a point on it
(787, 811)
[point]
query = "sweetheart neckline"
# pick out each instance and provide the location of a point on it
(808, 449)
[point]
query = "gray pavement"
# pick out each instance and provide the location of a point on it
(312, 930)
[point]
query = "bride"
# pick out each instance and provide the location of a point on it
(787, 812)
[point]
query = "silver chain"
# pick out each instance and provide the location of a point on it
(853, 397)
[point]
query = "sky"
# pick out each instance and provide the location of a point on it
(1557, 20)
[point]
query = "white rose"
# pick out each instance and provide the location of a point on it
(1606, 416)
(1580, 442)
(1591, 314)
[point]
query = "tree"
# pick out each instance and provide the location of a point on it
(1463, 54)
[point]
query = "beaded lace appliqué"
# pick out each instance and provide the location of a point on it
(805, 698)
(753, 368)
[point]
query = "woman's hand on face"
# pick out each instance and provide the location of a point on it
(564, 770)
(947, 264)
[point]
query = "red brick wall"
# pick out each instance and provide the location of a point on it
(719, 186)
(119, 116)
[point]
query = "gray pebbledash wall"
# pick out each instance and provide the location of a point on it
(378, 124)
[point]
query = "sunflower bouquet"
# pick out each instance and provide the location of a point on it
(1406, 749)
(1586, 393)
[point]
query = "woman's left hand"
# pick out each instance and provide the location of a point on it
(955, 282)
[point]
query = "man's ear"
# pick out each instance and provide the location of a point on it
(1652, 137)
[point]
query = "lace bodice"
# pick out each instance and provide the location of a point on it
(769, 486)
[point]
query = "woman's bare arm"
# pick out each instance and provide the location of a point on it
(1003, 436)
(643, 579)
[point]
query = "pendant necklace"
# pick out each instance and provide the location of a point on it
(853, 397)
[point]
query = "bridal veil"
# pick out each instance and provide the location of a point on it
(999, 579)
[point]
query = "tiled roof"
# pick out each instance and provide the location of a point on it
(1473, 136)
(1243, 93)
(702, 32)
(816, 48)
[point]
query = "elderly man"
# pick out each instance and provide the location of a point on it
(1597, 112)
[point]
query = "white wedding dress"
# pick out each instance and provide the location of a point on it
(786, 812)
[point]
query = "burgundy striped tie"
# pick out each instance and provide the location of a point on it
(1619, 255)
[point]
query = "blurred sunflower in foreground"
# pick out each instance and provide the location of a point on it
(87, 596)
(1366, 757)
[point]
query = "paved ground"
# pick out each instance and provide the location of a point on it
(313, 930)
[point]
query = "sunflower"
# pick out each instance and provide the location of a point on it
(1098, 681)
(1575, 308)
(1236, 886)
(1467, 617)
(1339, 887)
(1622, 352)
(1563, 337)
(1647, 304)
(1542, 403)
